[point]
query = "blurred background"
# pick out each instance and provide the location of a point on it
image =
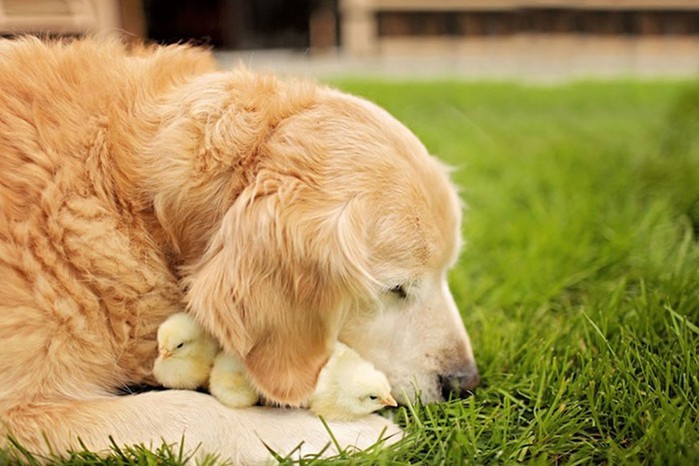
(534, 39)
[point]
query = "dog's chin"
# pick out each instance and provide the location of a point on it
(426, 391)
(435, 388)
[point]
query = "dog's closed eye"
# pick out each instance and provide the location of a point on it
(399, 291)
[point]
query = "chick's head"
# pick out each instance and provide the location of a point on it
(365, 390)
(181, 337)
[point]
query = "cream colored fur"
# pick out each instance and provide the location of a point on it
(136, 183)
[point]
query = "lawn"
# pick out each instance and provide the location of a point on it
(579, 282)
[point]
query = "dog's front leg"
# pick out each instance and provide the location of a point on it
(241, 435)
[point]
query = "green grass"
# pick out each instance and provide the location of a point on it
(579, 284)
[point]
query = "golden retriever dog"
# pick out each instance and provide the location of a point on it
(140, 181)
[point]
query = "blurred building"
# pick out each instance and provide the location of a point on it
(400, 26)
(70, 17)
(487, 38)
(360, 27)
(227, 24)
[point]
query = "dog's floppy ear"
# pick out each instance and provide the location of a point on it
(273, 284)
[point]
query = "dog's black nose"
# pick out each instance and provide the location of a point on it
(461, 385)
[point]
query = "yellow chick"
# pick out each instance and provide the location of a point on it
(229, 384)
(186, 353)
(349, 387)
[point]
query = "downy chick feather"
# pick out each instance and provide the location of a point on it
(349, 387)
(186, 353)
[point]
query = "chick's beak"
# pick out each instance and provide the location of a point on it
(165, 353)
(390, 401)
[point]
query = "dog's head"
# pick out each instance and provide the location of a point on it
(341, 226)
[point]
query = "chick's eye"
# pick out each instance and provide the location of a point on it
(179, 346)
(399, 291)
(373, 397)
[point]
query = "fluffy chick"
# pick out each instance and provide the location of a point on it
(349, 387)
(229, 384)
(186, 353)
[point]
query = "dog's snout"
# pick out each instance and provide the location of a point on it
(461, 385)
